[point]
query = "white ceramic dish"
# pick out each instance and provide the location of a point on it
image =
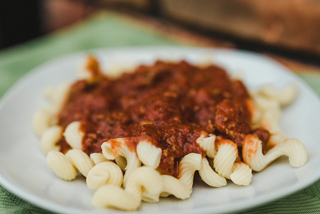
(23, 168)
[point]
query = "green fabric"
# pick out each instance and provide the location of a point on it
(11, 204)
(313, 80)
(111, 30)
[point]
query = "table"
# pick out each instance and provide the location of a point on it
(110, 29)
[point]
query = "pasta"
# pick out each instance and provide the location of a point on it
(209, 176)
(104, 173)
(73, 135)
(119, 198)
(65, 165)
(121, 149)
(143, 135)
(270, 111)
(80, 160)
(61, 165)
(149, 154)
(241, 174)
(284, 97)
(144, 183)
(50, 138)
(98, 158)
(225, 158)
(253, 156)
(43, 119)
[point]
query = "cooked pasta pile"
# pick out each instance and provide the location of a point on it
(144, 134)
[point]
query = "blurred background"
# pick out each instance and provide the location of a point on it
(289, 28)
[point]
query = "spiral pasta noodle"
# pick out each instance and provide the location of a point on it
(241, 174)
(225, 158)
(43, 120)
(209, 176)
(182, 187)
(120, 148)
(61, 165)
(65, 165)
(285, 96)
(98, 158)
(47, 117)
(115, 197)
(207, 144)
(104, 173)
(268, 102)
(50, 138)
(74, 135)
(253, 156)
(144, 183)
(148, 154)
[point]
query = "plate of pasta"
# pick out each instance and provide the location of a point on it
(158, 129)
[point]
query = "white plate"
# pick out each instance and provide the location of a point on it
(23, 168)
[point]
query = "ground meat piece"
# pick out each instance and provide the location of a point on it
(230, 120)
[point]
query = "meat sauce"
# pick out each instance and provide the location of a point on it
(168, 104)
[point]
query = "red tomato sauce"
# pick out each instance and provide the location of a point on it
(168, 104)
